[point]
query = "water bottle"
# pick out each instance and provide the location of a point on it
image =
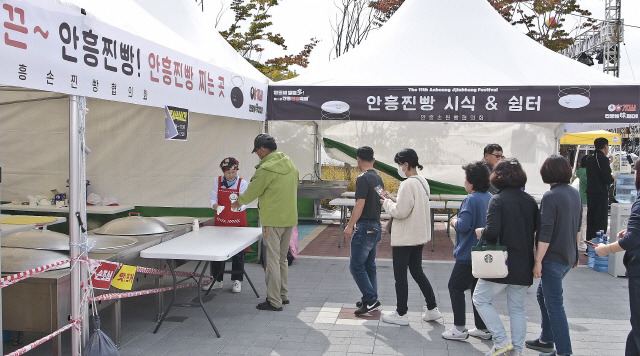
(601, 264)
(591, 252)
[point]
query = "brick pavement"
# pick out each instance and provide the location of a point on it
(321, 288)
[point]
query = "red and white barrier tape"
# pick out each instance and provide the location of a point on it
(14, 278)
(33, 345)
(160, 272)
(113, 296)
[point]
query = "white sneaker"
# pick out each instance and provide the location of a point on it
(236, 287)
(395, 318)
(431, 315)
(480, 334)
(455, 334)
(218, 285)
(500, 349)
(582, 247)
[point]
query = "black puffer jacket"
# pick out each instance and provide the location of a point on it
(513, 217)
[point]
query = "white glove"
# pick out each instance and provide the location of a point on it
(220, 209)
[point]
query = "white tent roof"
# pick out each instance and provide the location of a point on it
(451, 43)
(176, 24)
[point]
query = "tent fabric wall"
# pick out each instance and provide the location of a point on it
(442, 147)
(130, 159)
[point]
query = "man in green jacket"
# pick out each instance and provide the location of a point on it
(275, 185)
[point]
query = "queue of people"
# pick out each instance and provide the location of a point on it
(541, 243)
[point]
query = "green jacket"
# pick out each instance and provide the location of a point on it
(275, 184)
(581, 173)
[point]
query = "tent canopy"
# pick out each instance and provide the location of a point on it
(451, 43)
(587, 138)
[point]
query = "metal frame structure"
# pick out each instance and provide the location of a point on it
(604, 37)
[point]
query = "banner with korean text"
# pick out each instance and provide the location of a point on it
(554, 104)
(48, 46)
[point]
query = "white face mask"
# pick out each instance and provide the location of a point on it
(401, 172)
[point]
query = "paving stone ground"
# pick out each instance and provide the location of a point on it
(321, 288)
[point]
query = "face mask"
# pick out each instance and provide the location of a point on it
(401, 172)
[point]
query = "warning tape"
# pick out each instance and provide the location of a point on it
(112, 296)
(14, 278)
(41, 341)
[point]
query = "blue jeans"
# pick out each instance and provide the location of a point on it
(516, 294)
(362, 265)
(555, 327)
(633, 339)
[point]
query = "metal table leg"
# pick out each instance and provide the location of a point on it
(343, 225)
(433, 241)
(117, 317)
(173, 296)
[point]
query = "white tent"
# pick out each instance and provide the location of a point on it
(130, 159)
(132, 58)
(457, 49)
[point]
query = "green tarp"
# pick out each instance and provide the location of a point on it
(436, 187)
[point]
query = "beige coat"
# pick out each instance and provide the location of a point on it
(411, 213)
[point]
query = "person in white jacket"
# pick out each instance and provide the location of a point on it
(410, 231)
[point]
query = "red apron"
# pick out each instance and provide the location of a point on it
(228, 217)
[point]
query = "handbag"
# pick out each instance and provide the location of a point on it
(489, 261)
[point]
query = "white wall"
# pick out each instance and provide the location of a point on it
(130, 159)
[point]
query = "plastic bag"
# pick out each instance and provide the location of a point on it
(99, 343)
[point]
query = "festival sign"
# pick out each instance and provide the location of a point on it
(104, 274)
(48, 46)
(612, 104)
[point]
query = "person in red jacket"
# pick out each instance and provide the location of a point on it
(226, 189)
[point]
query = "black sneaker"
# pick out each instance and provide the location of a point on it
(539, 345)
(359, 304)
(267, 306)
(368, 307)
(284, 301)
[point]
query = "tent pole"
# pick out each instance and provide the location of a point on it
(77, 204)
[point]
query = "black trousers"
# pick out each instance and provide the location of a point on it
(237, 264)
(411, 257)
(633, 339)
(461, 280)
(597, 214)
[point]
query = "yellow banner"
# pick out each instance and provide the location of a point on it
(124, 279)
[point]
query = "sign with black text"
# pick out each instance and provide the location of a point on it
(176, 123)
(581, 104)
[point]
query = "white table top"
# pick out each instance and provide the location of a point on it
(348, 194)
(452, 197)
(91, 209)
(437, 204)
(210, 243)
(343, 202)
(9, 228)
(454, 204)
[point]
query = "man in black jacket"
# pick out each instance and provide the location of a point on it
(598, 180)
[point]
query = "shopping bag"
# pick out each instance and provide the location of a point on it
(100, 344)
(489, 261)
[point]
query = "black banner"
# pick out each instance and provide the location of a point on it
(580, 104)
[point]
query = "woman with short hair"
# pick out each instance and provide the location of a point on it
(511, 221)
(556, 254)
(472, 215)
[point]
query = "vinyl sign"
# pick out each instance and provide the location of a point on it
(582, 104)
(48, 46)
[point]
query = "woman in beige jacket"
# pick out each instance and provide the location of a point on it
(411, 230)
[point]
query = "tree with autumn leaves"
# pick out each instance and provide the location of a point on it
(249, 31)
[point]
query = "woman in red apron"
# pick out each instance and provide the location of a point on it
(226, 189)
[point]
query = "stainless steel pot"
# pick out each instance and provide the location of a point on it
(133, 225)
(55, 241)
